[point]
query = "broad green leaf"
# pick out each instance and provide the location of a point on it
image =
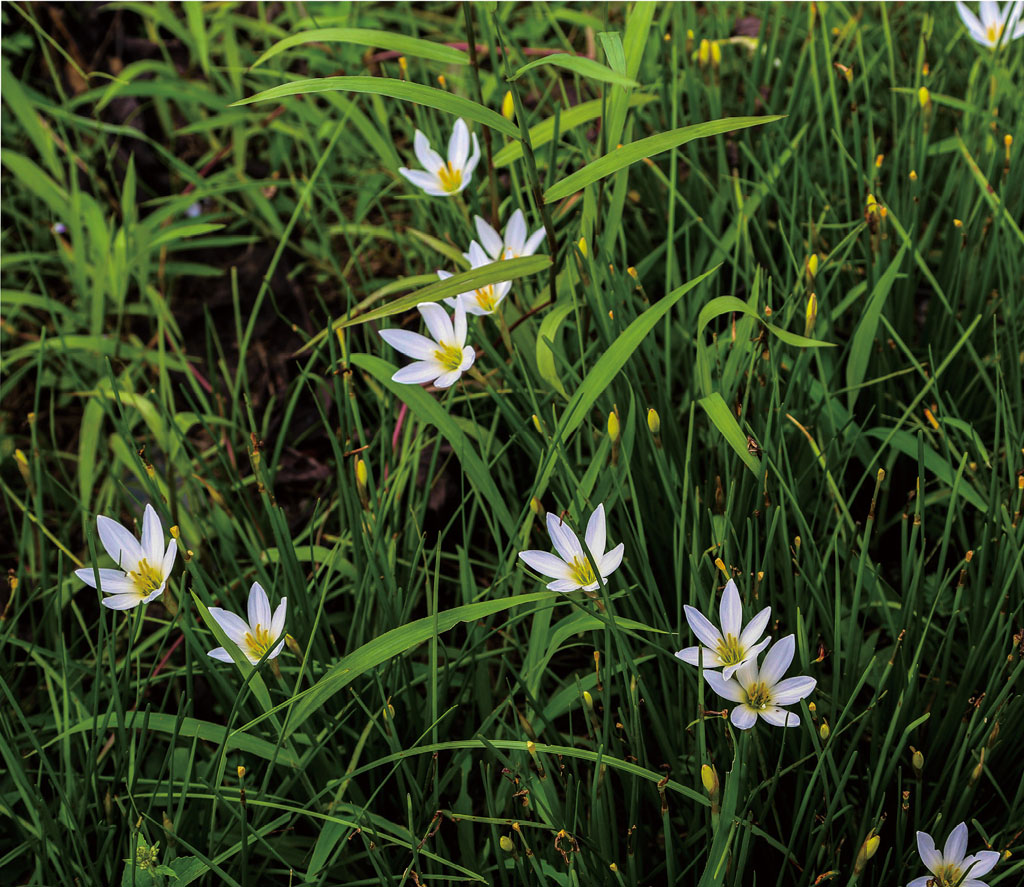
(427, 409)
(722, 418)
(390, 40)
(543, 132)
(578, 64)
(545, 356)
(629, 154)
(429, 96)
(31, 176)
(864, 336)
(394, 643)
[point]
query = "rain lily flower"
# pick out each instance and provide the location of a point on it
(255, 637)
(731, 646)
(441, 178)
(143, 567)
(951, 867)
(571, 569)
(486, 299)
(440, 360)
(760, 692)
(998, 25)
(515, 243)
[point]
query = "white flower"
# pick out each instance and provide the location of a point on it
(951, 867)
(444, 178)
(440, 360)
(760, 692)
(998, 26)
(144, 567)
(486, 299)
(571, 569)
(731, 646)
(255, 637)
(515, 244)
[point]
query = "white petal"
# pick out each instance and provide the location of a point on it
(531, 245)
(429, 159)
(923, 881)
(956, 845)
(563, 585)
(730, 611)
(458, 145)
(234, 626)
(120, 544)
(446, 380)
(792, 690)
(693, 656)
(474, 158)
(459, 327)
(418, 373)
(426, 181)
(743, 716)
(777, 660)
(595, 534)
(779, 717)
(545, 563)
(153, 595)
(259, 607)
(276, 651)
(989, 13)
(410, 343)
(167, 564)
(978, 864)
(221, 654)
(468, 356)
(755, 628)
(122, 601)
(515, 233)
(277, 624)
(564, 539)
(970, 20)
(706, 633)
(438, 322)
(111, 581)
(931, 857)
(726, 689)
(610, 562)
(489, 238)
(152, 536)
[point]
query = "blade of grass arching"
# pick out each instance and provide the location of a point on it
(428, 410)
(417, 93)
(864, 337)
(388, 40)
(581, 65)
(722, 418)
(620, 158)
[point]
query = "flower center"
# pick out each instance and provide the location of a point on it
(449, 356)
(485, 298)
(729, 650)
(450, 178)
(994, 32)
(581, 571)
(759, 696)
(947, 875)
(257, 641)
(145, 577)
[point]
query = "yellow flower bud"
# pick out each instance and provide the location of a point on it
(868, 849)
(823, 730)
(442, 81)
(506, 843)
(653, 421)
(704, 53)
(709, 778)
(613, 427)
(403, 63)
(716, 54)
(582, 245)
(241, 772)
(812, 314)
(924, 98)
(588, 699)
(536, 424)
(536, 507)
(508, 106)
(878, 161)
(361, 473)
(917, 761)
(811, 265)
(913, 175)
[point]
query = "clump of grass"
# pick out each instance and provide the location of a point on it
(782, 351)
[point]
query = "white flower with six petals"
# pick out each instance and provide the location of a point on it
(951, 867)
(485, 299)
(760, 691)
(440, 360)
(997, 26)
(735, 644)
(143, 567)
(570, 568)
(515, 243)
(257, 636)
(439, 177)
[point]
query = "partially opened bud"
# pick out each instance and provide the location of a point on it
(868, 849)
(811, 265)
(812, 314)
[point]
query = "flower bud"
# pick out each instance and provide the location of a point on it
(614, 431)
(582, 245)
(506, 844)
(811, 317)
(536, 507)
(924, 98)
(704, 53)
(403, 64)
(811, 265)
(917, 762)
(868, 849)
(442, 81)
(536, 424)
(293, 645)
(653, 421)
(709, 778)
(508, 106)
(823, 730)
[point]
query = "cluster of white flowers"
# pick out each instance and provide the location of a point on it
(444, 356)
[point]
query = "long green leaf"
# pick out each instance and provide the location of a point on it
(721, 416)
(578, 64)
(429, 96)
(390, 40)
(622, 157)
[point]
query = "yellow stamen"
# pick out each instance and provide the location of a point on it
(257, 641)
(485, 299)
(729, 650)
(450, 178)
(449, 356)
(759, 696)
(581, 571)
(994, 32)
(146, 578)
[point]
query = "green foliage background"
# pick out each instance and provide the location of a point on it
(218, 366)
